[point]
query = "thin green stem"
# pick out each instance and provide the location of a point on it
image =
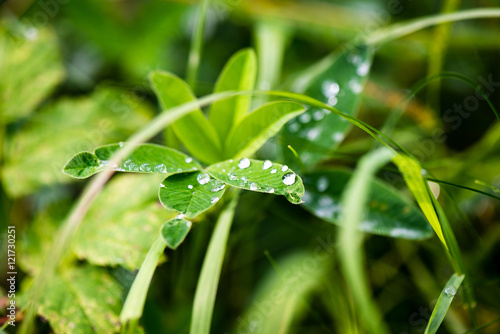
(197, 44)
(399, 30)
(134, 304)
(206, 290)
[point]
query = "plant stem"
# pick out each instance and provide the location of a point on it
(206, 290)
(405, 28)
(350, 240)
(134, 304)
(197, 45)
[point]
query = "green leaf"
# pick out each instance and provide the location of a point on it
(261, 176)
(388, 213)
(282, 294)
(254, 129)
(190, 193)
(238, 74)
(206, 289)
(193, 130)
(82, 299)
(337, 81)
(175, 231)
(443, 303)
(120, 232)
(412, 173)
(36, 152)
(27, 79)
(146, 158)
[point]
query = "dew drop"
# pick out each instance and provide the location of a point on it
(273, 171)
(214, 200)
(271, 191)
(293, 127)
(190, 186)
(244, 163)
(338, 136)
(232, 176)
(160, 168)
(322, 184)
(145, 167)
(253, 186)
(267, 164)
(120, 144)
(289, 179)
(188, 160)
(305, 118)
(355, 86)
(450, 291)
(318, 115)
(330, 88)
(133, 167)
(313, 133)
(283, 169)
(217, 186)
(244, 179)
(203, 178)
(162, 185)
(363, 69)
(180, 216)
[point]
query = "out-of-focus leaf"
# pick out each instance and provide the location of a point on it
(193, 130)
(238, 74)
(261, 176)
(280, 298)
(36, 153)
(190, 193)
(255, 128)
(412, 173)
(83, 299)
(175, 231)
(27, 79)
(337, 81)
(146, 158)
(123, 222)
(388, 212)
(443, 303)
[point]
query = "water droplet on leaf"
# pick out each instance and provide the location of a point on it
(253, 186)
(244, 163)
(305, 118)
(450, 291)
(214, 200)
(190, 186)
(145, 167)
(273, 171)
(289, 179)
(322, 184)
(188, 160)
(267, 164)
(232, 176)
(283, 169)
(203, 178)
(160, 168)
(217, 186)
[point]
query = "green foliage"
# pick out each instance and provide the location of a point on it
(256, 128)
(25, 83)
(146, 158)
(260, 176)
(337, 81)
(443, 303)
(190, 193)
(238, 74)
(193, 130)
(388, 212)
(175, 231)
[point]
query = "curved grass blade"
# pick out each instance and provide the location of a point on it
(175, 231)
(194, 131)
(260, 176)
(388, 212)
(443, 303)
(238, 74)
(253, 130)
(208, 281)
(412, 174)
(146, 158)
(354, 200)
(338, 81)
(190, 193)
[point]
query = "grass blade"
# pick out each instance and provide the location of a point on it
(354, 201)
(204, 299)
(443, 303)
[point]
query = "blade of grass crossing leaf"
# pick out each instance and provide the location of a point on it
(193, 130)
(354, 200)
(134, 304)
(412, 173)
(206, 290)
(238, 74)
(197, 44)
(443, 303)
(253, 130)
